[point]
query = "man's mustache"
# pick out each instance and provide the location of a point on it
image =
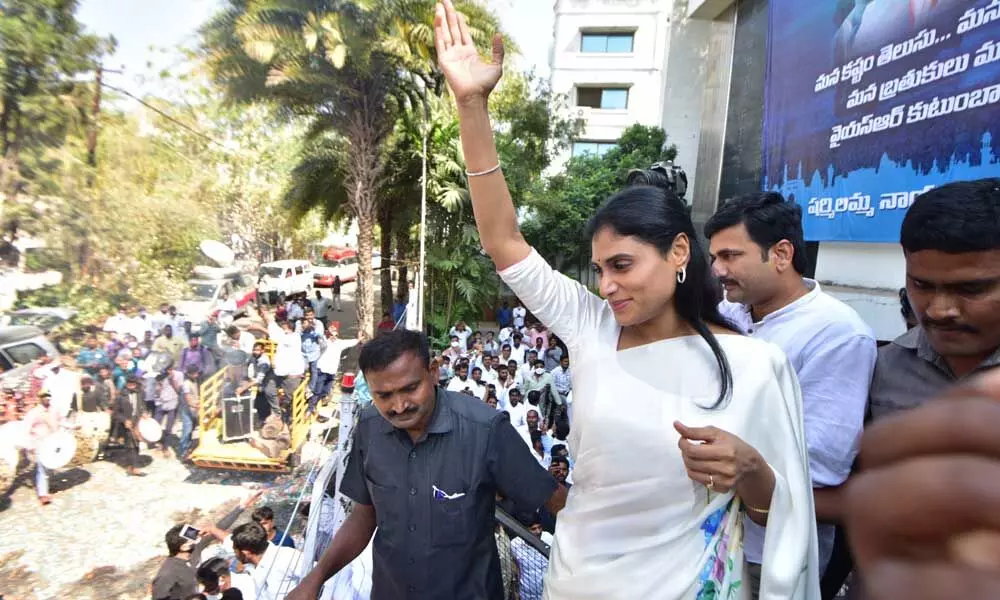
(948, 325)
(409, 411)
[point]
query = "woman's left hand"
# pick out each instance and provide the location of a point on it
(715, 458)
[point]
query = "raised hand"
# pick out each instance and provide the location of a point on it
(469, 76)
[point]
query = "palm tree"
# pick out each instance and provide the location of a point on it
(351, 67)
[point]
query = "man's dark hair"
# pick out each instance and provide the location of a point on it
(474, 369)
(250, 537)
(264, 513)
(231, 594)
(559, 460)
(538, 363)
(534, 397)
(258, 345)
(384, 350)
(768, 218)
(505, 346)
(174, 540)
(959, 217)
(210, 571)
(233, 331)
(516, 391)
(308, 310)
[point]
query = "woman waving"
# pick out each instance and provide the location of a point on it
(681, 427)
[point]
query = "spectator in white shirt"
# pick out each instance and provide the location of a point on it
(119, 324)
(160, 319)
(478, 387)
(454, 350)
(531, 564)
(504, 384)
(524, 370)
(490, 345)
(518, 348)
(516, 407)
(289, 363)
(519, 315)
(563, 378)
(321, 306)
(505, 356)
(461, 379)
(514, 372)
(275, 568)
(463, 334)
(489, 369)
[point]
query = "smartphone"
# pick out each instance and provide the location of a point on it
(190, 533)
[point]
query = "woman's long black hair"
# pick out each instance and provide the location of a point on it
(655, 215)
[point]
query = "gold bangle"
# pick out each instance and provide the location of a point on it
(761, 511)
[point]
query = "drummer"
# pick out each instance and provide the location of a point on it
(129, 408)
(42, 421)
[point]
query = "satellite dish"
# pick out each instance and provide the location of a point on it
(217, 252)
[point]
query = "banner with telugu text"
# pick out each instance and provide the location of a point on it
(871, 102)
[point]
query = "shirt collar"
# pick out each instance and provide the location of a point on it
(916, 340)
(442, 420)
(814, 291)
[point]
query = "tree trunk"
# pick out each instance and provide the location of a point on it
(403, 252)
(385, 227)
(364, 296)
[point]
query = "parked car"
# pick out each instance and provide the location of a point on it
(45, 318)
(288, 277)
(205, 297)
(20, 346)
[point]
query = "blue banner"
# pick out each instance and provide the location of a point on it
(869, 103)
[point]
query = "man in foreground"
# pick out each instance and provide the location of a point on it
(425, 467)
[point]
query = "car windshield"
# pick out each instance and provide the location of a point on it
(271, 271)
(41, 321)
(327, 263)
(201, 291)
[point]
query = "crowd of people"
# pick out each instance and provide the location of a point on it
(143, 366)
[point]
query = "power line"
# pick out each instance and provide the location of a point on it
(162, 113)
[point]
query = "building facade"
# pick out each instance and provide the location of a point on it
(696, 68)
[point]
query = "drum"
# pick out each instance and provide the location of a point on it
(150, 430)
(57, 450)
(92, 432)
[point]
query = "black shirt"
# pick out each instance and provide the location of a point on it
(178, 578)
(434, 500)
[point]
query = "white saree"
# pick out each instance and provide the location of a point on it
(635, 525)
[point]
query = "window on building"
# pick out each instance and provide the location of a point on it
(606, 98)
(606, 43)
(594, 148)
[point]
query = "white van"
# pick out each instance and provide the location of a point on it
(288, 277)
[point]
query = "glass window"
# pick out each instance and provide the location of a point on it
(606, 43)
(594, 148)
(605, 98)
(299, 270)
(614, 98)
(620, 42)
(22, 354)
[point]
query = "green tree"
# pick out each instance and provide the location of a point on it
(351, 68)
(43, 50)
(559, 213)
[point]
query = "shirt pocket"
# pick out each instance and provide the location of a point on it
(450, 521)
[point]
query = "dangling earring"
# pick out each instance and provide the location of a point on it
(682, 275)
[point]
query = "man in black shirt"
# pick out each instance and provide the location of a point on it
(94, 398)
(425, 468)
(129, 408)
(178, 575)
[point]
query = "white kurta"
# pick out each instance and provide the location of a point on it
(635, 525)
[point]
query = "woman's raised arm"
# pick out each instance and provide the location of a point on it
(471, 80)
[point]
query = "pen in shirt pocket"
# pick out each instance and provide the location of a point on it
(440, 494)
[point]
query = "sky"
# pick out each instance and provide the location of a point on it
(149, 31)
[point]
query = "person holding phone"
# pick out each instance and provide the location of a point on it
(177, 577)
